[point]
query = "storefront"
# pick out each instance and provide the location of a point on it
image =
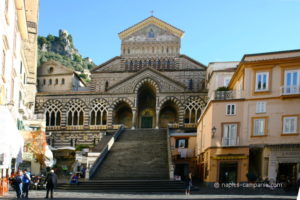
(282, 162)
(224, 165)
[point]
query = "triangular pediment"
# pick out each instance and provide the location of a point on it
(151, 21)
(53, 68)
(159, 35)
(162, 82)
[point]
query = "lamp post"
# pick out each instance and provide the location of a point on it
(213, 131)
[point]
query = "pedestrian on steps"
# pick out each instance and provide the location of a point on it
(188, 184)
(51, 181)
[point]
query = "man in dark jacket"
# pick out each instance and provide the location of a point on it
(51, 180)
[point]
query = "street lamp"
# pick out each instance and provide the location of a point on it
(213, 131)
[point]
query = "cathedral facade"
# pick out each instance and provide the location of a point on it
(150, 85)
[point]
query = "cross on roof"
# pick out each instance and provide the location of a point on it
(151, 12)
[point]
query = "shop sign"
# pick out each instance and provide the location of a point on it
(27, 156)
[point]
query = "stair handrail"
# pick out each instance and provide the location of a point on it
(170, 162)
(105, 151)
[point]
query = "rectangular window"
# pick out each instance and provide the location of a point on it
(230, 109)
(229, 135)
(262, 81)
(261, 107)
(290, 125)
(182, 143)
(259, 127)
(291, 82)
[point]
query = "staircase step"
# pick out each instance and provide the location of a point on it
(137, 154)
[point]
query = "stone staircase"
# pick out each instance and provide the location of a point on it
(139, 154)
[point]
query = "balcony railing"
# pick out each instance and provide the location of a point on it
(226, 95)
(228, 142)
(290, 90)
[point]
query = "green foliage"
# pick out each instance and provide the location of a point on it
(223, 88)
(77, 58)
(51, 38)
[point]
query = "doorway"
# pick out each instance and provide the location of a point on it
(287, 171)
(228, 172)
(181, 170)
(147, 122)
(146, 105)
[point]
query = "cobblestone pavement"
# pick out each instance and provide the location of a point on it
(113, 196)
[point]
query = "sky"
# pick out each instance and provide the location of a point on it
(215, 30)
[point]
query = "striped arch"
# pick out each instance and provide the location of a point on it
(146, 80)
(123, 99)
(172, 99)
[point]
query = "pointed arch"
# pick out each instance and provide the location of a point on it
(75, 112)
(193, 108)
(98, 112)
(53, 112)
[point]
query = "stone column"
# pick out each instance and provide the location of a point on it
(133, 119)
(181, 113)
(109, 118)
(157, 119)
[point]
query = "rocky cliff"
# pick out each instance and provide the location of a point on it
(62, 49)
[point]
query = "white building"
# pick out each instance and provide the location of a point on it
(18, 53)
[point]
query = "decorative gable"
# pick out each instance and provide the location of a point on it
(163, 83)
(151, 21)
(53, 68)
(151, 32)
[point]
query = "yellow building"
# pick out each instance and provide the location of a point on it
(254, 126)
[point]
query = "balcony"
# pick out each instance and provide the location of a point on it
(227, 95)
(229, 142)
(290, 90)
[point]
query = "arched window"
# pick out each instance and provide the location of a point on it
(44, 82)
(38, 82)
(131, 65)
(151, 34)
(63, 81)
(168, 64)
(56, 81)
(106, 86)
(190, 86)
(98, 114)
(50, 81)
(75, 112)
(53, 113)
(193, 109)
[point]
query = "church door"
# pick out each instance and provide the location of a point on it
(146, 122)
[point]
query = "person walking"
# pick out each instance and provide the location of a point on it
(51, 180)
(188, 184)
(18, 184)
(26, 182)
